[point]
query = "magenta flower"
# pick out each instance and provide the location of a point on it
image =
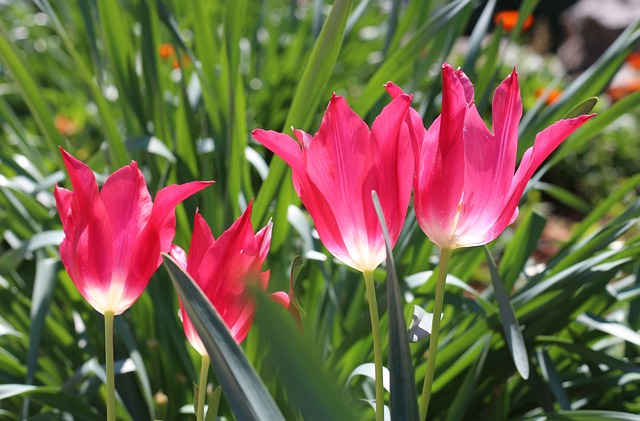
(335, 171)
(466, 187)
(114, 237)
(225, 269)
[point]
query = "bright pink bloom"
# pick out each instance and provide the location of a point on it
(466, 187)
(335, 171)
(114, 237)
(225, 269)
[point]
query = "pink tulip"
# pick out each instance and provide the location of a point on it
(466, 187)
(335, 171)
(225, 269)
(114, 237)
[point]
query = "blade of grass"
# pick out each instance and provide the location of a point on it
(475, 40)
(43, 287)
(117, 153)
(403, 396)
(510, 324)
(309, 386)
(461, 400)
(520, 248)
(396, 64)
(551, 376)
(30, 92)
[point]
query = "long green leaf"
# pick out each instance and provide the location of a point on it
(476, 38)
(30, 92)
(52, 396)
(512, 332)
(314, 393)
(117, 153)
(403, 396)
(305, 101)
(588, 415)
(520, 248)
(44, 285)
(241, 385)
(396, 64)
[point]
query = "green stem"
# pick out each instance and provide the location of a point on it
(202, 388)
(445, 258)
(109, 364)
(377, 345)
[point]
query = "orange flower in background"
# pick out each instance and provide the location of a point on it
(509, 18)
(619, 91)
(64, 125)
(166, 50)
(184, 59)
(633, 60)
(553, 96)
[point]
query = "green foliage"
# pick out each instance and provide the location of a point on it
(178, 86)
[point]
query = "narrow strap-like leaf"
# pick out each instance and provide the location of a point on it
(403, 398)
(513, 336)
(307, 384)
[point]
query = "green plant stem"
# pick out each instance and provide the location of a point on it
(445, 258)
(377, 345)
(202, 387)
(109, 365)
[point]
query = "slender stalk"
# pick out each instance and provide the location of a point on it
(109, 366)
(377, 344)
(445, 258)
(202, 387)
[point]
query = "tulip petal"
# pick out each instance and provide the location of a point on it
(128, 205)
(85, 187)
(442, 180)
(391, 149)
(64, 199)
(490, 160)
(338, 171)
(202, 241)
(467, 86)
(283, 146)
(179, 255)
(450, 155)
(263, 239)
(546, 142)
(88, 256)
(281, 298)
(163, 213)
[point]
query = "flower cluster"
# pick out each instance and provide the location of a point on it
(465, 183)
(465, 186)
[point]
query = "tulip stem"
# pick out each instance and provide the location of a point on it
(109, 365)
(445, 258)
(377, 345)
(202, 388)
